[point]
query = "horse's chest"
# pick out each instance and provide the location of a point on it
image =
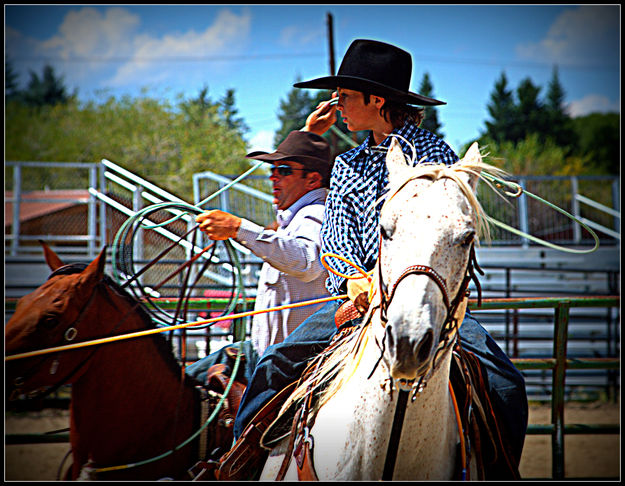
(351, 434)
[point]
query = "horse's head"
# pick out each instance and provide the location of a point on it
(48, 317)
(428, 225)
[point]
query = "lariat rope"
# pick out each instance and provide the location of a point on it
(147, 332)
(518, 191)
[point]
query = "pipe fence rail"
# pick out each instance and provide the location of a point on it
(595, 200)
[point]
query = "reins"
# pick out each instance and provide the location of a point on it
(450, 325)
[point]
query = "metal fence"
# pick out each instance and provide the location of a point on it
(594, 200)
(37, 183)
(251, 200)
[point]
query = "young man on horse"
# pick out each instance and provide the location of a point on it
(373, 94)
(291, 271)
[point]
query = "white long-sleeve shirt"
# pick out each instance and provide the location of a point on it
(292, 271)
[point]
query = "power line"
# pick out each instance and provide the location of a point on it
(518, 64)
(216, 58)
(260, 57)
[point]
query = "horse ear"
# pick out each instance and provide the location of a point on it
(52, 259)
(396, 163)
(473, 159)
(96, 267)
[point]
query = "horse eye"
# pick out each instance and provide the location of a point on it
(49, 321)
(468, 239)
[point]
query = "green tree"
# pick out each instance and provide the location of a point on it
(599, 138)
(559, 126)
(11, 89)
(228, 111)
(430, 122)
(532, 156)
(163, 143)
(530, 115)
(293, 111)
(47, 90)
(501, 108)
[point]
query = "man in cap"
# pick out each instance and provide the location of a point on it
(291, 271)
(373, 94)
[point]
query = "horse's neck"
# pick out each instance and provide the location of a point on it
(129, 391)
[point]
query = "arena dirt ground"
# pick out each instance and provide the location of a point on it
(586, 456)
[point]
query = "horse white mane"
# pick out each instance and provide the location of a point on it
(341, 364)
(472, 163)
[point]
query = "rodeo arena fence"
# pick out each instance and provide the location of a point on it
(555, 313)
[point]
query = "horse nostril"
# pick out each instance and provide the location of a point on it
(425, 346)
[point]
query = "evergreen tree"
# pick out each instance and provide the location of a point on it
(47, 90)
(560, 126)
(229, 111)
(11, 90)
(430, 122)
(530, 113)
(200, 109)
(293, 112)
(502, 111)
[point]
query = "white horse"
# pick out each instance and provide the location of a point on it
(428, 224)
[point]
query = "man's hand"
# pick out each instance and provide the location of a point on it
(219, 225)
(324, 116)
(358, 293)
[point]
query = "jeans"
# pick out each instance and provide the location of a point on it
(198, 369)
(284, 363)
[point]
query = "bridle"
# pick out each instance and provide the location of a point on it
(450, 326)
(451, 307)
(69, 335)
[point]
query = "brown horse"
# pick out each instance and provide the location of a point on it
(130, 399)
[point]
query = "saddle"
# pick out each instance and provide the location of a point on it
(248, 455)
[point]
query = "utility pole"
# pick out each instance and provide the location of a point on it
(330, 22)
(331, 42)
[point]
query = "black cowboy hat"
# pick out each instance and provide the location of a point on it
(376, 68)
(307, 148)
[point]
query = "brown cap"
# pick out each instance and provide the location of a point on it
(307, 148)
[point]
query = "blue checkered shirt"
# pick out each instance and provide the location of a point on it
(359, 178)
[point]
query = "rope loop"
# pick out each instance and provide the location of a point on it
(500, 183)
(353, 276)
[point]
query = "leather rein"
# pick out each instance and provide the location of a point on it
(450, 325)
(69, 335)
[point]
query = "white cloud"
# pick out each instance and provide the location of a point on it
(262, 140)
(113, 52)
(593, 103)
(88, 32)
(588, 34)
(227, 35)
(297, 35)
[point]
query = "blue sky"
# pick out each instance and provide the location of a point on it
(261, 50)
